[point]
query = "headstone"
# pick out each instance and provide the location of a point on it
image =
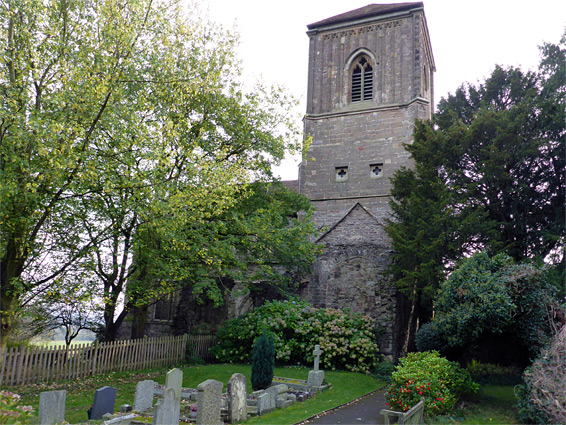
(236, 390)
(316, 378)
(52, 407)
(174, 380)
(143, 400)
(265, 403)
(168, 409)
(316, 352)
(104, 399)
(209, 403)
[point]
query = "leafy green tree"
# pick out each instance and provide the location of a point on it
(263, 361)
(488, 175)
(116, 116)
(259, 239)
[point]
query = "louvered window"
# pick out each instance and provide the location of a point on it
(362, 80)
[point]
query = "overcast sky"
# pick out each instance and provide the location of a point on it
(468, 38)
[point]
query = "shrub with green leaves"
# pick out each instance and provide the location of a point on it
(489, 296)
(263, 362)
(428, 376)
(488, 373)
(346, 339)
(429, 338)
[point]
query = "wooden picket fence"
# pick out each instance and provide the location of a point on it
(43, 364)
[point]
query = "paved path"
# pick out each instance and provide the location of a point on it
(364, 411)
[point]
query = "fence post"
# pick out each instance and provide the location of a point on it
(3, 359)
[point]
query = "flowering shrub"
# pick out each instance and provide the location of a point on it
(10, 411)
(427, 375)
(346, 340)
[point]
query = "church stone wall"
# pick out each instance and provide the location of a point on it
(352, 138)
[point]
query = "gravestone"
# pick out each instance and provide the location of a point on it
(316, 376)
(316, 352)
(209, 403)
(143, 400)
(236, 390)
(104, 399)
(265, 403)
(174, 380)
(52, 407)
(168, 409)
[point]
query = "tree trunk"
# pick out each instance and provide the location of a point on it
(411, 324)
(139, 321)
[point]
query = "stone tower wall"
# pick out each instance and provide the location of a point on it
(355, 137)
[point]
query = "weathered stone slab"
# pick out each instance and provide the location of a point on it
(121, 420)
(209, 403)
(174, 380)
(52, 407)
(167, 410)
(104, 399)
(278, 389)
(143, 400)
(265, 403)
(236, 391)
(316, 378)
(282, 401)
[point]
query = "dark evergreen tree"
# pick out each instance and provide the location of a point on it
(263, 361)
(489, 175)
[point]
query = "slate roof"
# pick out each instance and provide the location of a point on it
(368, 11)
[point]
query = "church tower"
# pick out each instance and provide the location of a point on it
(370, 75)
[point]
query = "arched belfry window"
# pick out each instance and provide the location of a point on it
(362, 80)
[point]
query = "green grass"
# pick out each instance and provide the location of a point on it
(346, 386)
(494, 404)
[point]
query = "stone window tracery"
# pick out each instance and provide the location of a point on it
(376, 170)
(341, 174)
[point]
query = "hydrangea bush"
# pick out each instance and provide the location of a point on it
(11, 412)
(347, 340)
(428, 376)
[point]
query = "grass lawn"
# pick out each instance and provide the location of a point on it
(494, 404)
(346, 386)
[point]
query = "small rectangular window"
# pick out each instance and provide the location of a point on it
(376, 170)
(341, 174)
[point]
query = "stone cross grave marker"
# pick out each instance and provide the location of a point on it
(52, 407)
(104, 399)
(316, 352)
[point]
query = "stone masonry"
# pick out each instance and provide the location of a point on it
(357, 146)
